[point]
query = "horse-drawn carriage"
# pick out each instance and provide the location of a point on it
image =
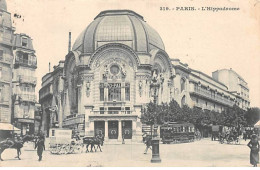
(61, 142)
(177, 132)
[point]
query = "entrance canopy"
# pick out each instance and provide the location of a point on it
(257, 125)
(8, 126)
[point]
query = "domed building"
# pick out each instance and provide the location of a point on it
(116, 66)
(109, 71)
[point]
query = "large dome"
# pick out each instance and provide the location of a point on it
(118, 26)
(3, 5)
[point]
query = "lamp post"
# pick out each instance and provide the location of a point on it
(155, 140)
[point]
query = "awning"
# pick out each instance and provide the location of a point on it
(257, 125)
(8, 126)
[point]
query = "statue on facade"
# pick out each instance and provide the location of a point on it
(140, 88)
(88, 89)
(123, 71)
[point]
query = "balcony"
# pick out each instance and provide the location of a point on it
(112, 112)
(215, 98)
(25, 62)
(6, 59)
(200, 105)
(27, 97)
(45, 92)
(74, 119)
(27, 79)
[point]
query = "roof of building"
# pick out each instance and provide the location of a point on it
(3, 5)
(231, 70)
(18, 41)
(118, 26)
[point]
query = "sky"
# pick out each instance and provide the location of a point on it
(205, 40)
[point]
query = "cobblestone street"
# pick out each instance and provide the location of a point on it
(203, 153)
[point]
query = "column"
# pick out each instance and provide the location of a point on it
(123, 92)
(119, 130)
(60, 118)
(106, 130)
(89, 126)
(137, 125)
(106, 92)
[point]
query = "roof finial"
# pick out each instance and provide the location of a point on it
(69, 48)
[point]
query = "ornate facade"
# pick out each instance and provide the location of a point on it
(116, 66)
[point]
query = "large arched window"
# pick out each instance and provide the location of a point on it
(182, 84)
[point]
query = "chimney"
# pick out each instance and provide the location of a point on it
(49, 67)
(69, 49)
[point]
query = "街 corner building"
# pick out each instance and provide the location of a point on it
(116, 66)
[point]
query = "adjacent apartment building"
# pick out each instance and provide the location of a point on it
(24, 82)
(18, 63)
(6, 63)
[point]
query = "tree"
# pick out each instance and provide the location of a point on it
(252, 116)
(174, 111)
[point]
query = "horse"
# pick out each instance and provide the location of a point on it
(15, 144)
(92, 141)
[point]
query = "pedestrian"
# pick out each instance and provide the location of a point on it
(40, 147)
(148, 143)
(254, 153)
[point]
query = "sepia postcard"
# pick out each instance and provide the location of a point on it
(130, 83)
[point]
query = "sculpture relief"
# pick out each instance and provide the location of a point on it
(123, 71)
(88, 89)
(140, 88)
(106, 72)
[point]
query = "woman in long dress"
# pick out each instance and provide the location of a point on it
(254, 153)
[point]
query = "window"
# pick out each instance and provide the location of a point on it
(1, 54)
(102, 110)
(183, 101)
(127, 92)
(114, 110)
(0, 94)
(25, 58)
(206, 103)
(127, 109)
(114, 92)
(197, 100)
(24, 42)
(53, 133)
(101, 90)
(182, 84)
(0, 72)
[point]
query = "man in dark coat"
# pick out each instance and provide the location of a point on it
(40, 147)
(148, 143)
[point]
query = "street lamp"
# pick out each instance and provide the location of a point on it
(155, 85)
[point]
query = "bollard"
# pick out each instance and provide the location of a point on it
(155, 151)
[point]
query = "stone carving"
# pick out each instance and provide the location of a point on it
(140, 88)
(106, 72)
(109, 56)
(161, 78)
(123, 71)
(79, 81)
(88, 89)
